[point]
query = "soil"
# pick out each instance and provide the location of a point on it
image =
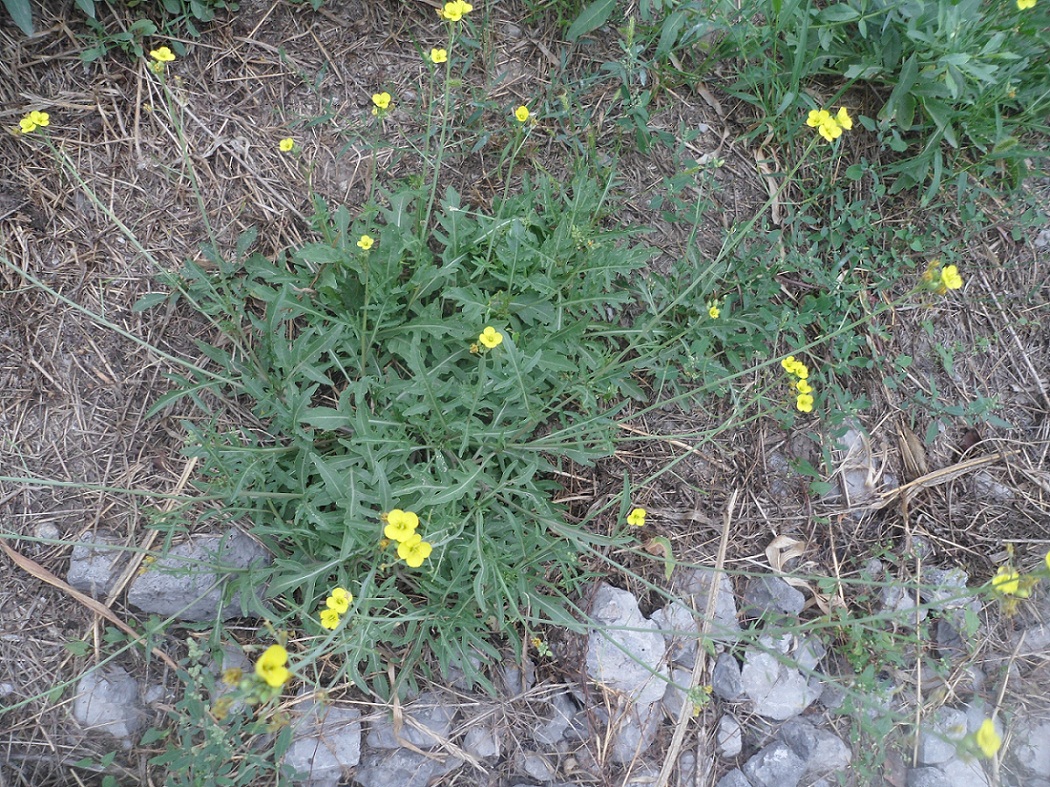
(80, 367)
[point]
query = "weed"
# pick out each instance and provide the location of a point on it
(177, 19)
(215, 748)
(955, 85)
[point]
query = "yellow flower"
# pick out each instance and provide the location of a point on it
(454, 10)
(490, 337)
(365, 242)
(1047, 561)
(522, 113)
(414, 550)
(162, 54)
(270, 666)
(1006, 581)
(988, 740)
(33, 121)
(1024, 5)
(637, 517)
(286, 144)
(381, 101)
(329, 618)
(950, 278)
(712, 310)
(830, 131)
(843, 119)
(818, 118)
(340, 600)
(803, 387)
(795, 368)
(400, 524)
(438, 55)
(804, 403)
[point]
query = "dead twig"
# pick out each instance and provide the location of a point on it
(686, 712)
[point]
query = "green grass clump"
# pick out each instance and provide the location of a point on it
(370, 392)
(948, 89)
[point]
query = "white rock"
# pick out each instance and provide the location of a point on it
(1030, 747)
(626, 654)
(730, 737)
(326, 742)
(679, 628)
(634, 731)
(939, 735)
(187, 582)
(481, 742)
(777, 691)
(965, 774)
(108, 701)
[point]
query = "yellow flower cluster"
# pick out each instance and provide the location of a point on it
(271, 669)
(637, 517)
(33, 121)
(830, 126)
(335, 606)
(454, 10)
(799, 374)
(939, 279)
(401, 527)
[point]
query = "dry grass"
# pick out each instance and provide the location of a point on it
(73, 394)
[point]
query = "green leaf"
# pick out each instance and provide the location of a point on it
(855, 172)
(660, 547)
(593, 16)
(905, 82)
(152, 735)
(78, 647)
(149, 300)
(672, 29)
(325, 418)
(21, 14)
(838, 14)
(87, 6)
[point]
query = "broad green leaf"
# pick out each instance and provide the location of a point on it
(149, 300)
(838, 14)
(593, 16)
(21, 13)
